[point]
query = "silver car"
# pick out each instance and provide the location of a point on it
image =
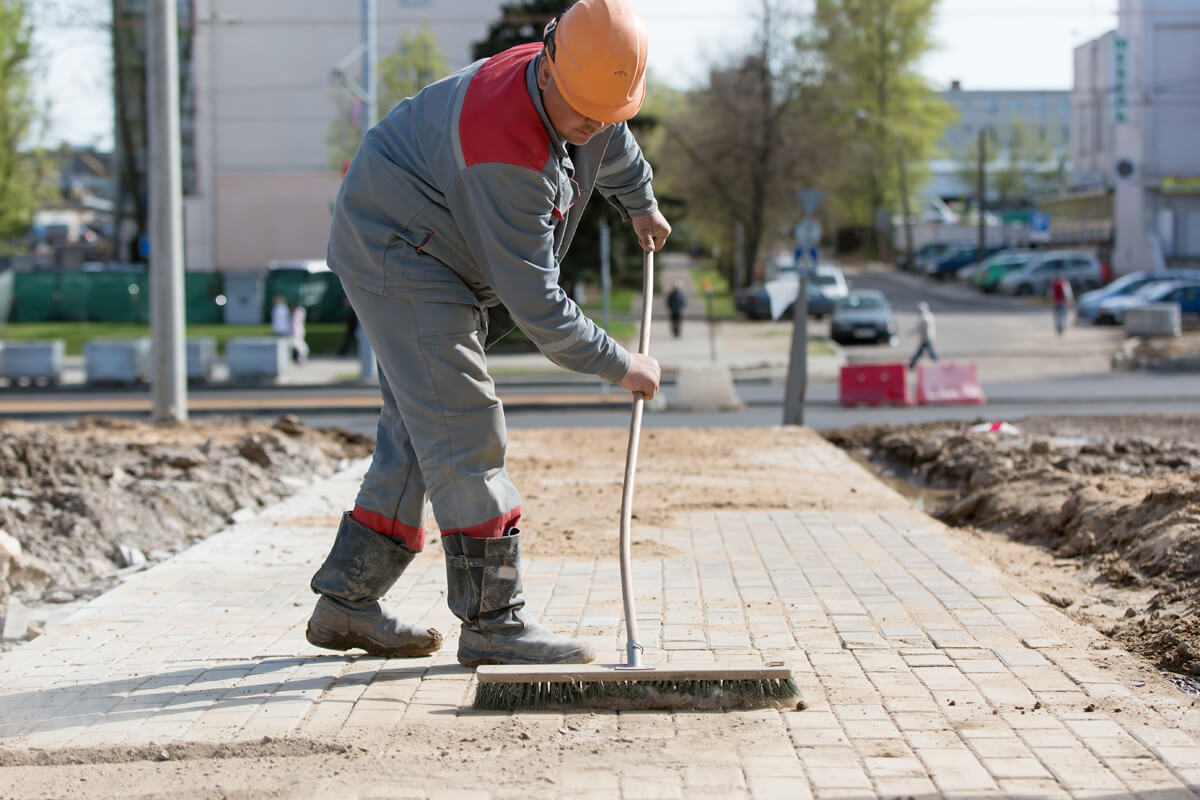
(1080, 267)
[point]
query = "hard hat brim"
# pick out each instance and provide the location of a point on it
(608, 114)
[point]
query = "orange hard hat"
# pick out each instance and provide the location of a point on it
(597, 54)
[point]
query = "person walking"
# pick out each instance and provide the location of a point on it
(448, 229)
(1063, 298)
(299, 333)
(675, 304)
(926, 330)
(281, 317)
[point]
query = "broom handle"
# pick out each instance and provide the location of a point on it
(633, 650)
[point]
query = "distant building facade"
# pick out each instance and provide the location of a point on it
(1136, 107)
(258, 101)
(1046, 112)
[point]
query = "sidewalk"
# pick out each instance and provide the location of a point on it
(925, 672)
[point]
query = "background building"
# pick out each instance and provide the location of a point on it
(258, 98)
(1136, 107)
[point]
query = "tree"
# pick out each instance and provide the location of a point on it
(519, 23)
(871, 50)
(416, 63)
(1021, 161)
(19, 170)
(738, 149)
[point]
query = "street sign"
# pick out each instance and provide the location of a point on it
(809, 200)
(808, 233)
(1039, 222)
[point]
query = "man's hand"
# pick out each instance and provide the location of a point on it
(652, 231)
(643, 375)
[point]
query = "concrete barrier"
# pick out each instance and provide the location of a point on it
(257, 358)
(945, 383)
(705, 387)
(201, 356)
(874, 385)
(117, 360)
(33, 361)
(1155, 319)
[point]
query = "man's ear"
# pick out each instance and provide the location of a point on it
(543, 74)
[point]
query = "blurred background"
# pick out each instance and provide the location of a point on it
(921, 123)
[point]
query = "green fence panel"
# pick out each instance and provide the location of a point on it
(200, 293)
(117, 297)
(35, 297)
(319, 292)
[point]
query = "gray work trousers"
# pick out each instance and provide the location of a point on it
(441, 429)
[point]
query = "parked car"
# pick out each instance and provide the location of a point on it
(1185, 293)
(953, 260)
(1080, 267)
(776, 299)
(992, 269)
(1088, 304)
(863, 317)
(921, 255)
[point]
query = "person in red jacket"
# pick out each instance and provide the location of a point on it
(1063, 298)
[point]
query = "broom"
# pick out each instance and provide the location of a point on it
(633, 685)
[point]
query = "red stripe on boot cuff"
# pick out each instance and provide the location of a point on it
(413, 538)
(492, 529)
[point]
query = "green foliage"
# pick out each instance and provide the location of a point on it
(19, 171)
(417, 62)
(871, 51)
(1020, 161)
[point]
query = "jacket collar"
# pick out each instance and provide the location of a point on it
(535, 94)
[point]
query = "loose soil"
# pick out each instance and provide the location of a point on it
(1101, 515)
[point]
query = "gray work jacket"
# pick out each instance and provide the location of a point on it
(463, 193)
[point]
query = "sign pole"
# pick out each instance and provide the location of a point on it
(808, 237)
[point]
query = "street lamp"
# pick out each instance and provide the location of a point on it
(863, 115)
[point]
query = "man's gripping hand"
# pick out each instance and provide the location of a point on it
(652, 231)
(643, 375)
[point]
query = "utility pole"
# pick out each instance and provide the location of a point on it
(166, 214)
(980, 192)
(908, 233)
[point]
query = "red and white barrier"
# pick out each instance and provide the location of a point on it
(948, 384)
(874, 385)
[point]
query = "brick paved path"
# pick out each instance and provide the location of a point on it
(925, 672)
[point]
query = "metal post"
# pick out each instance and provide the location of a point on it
(605, 282)
(797, 375)
(981, 191)
(366, 357)
(904, 200)
(166, 214)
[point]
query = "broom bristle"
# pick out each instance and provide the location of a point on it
(704, 695)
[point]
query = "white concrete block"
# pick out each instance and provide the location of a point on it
(117, 360)
(257, 357)
(201, 355)
(705, 387)
(34, 360)
(1156, 319)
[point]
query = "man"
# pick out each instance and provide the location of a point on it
(926, 330)
(464, 197)
(1063, 298)
(675, 303)
(281, 317)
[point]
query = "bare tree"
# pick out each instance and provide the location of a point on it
(739, 148)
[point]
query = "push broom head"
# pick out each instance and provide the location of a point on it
(702, 688)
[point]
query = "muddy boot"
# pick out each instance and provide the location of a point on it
(359, 570)
(483, 587)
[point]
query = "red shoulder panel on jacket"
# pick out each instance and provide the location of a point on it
(498, 121)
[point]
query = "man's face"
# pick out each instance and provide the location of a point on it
(568, 123)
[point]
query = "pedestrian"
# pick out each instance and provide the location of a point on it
(453, 216)
(926, 329)
(281, 317)
(1063, 298)
(675, 303)
(299, 333)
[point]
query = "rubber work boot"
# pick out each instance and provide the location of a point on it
(360, 568)
(483, 588)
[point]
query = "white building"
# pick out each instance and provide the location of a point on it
(264, 101)
(1136, 106)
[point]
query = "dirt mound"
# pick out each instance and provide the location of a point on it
(1118, 495)
(81, 502)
